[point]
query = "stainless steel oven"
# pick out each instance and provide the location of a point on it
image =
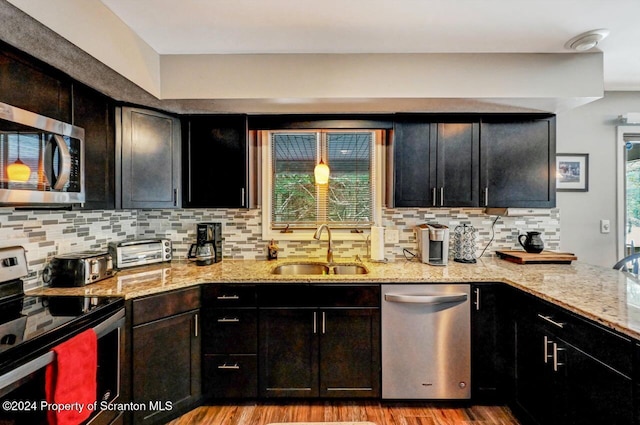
(31, 326)
(41, 159)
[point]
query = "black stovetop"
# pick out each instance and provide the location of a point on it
(32, 325)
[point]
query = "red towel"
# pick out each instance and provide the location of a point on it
(71, 379)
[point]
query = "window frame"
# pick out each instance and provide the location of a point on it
(338, 233)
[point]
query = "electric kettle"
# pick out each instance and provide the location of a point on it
(203, 253)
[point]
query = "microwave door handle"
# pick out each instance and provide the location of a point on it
(58, 181)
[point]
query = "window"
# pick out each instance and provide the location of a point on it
(292, 199)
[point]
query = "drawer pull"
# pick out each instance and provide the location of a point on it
(228, 297)
(550, 320)
(226, 366)
(228, 320)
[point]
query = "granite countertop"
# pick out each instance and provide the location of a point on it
(604, 295)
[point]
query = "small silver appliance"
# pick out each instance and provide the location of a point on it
(433, 243)
(78, 269)
(140, 252)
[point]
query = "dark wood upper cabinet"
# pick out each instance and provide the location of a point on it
(517, 163)
(436, 164)
(149, 143)
(30, 84)
(497, 161)
(215, 161)
(95, 113)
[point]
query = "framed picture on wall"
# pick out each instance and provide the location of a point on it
(572, 172)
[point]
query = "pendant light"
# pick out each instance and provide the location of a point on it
(18, 171)
(321, 173)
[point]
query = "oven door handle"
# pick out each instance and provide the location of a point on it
(22, 371)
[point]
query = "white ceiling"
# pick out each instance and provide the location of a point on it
(389, 26)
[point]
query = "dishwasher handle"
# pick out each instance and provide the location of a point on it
(426, 299)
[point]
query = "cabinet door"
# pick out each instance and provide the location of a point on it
(596, 393)
(150, 162)
(412, 166)
(216, 162)
(166, 366)
(94, 112)
(457, 165)
(534, 386)
(487, 365)
(518, 164)
(32, 85)
(288, 352)
(350, 353)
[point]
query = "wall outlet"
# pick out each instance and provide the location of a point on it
(391, 236)
(605, 226)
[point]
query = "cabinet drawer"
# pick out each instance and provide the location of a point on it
(229, 295)
(229, 330)
(606, 346)
(291, 295)
(347, 295)
(155, 307)
(230, 376)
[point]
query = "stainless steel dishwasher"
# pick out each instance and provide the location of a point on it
(426, 341)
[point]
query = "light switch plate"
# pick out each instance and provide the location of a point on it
(391, 236)
(605, 226)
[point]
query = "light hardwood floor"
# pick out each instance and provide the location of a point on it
(380, 413)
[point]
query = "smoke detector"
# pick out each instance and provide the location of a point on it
(587, 40)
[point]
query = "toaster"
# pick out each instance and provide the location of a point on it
(78, 269)
(139, 252)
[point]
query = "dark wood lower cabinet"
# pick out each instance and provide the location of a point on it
(569, 371)
(349, 353)
(288, 352)
(166, 355)
(330, 349)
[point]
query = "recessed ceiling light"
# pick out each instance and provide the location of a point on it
(587, 40)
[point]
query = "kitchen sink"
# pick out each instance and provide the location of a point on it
(350, 269)
(301, 268)
(319, 268)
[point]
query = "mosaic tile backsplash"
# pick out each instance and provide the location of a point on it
(47, 233)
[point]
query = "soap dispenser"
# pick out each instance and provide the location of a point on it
(272, 250)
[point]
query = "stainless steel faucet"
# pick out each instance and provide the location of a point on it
(317, 237)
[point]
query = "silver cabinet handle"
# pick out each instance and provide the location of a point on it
(228, 320)
(477, 290)
(315, 318)
(324, 323)
(486, 196)
(556, 363)
(425, 299)
(226, 366)
(433, 196)
(228, 297)
(242, 200)
(196, 325)
(175, 197)
(547, 356)
(442, 196)
(550, 320)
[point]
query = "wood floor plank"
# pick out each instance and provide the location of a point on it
(380, 413)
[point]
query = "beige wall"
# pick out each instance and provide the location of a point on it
(95, 29)
(592, 129)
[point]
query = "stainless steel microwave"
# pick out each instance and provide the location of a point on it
(41, 159)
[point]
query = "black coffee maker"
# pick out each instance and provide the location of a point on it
(208, 247)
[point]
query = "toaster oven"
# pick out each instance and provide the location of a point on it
(139, 252)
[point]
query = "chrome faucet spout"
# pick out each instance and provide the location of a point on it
(317, 237)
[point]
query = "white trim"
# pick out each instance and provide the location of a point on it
(307, 234)
(620, 187)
